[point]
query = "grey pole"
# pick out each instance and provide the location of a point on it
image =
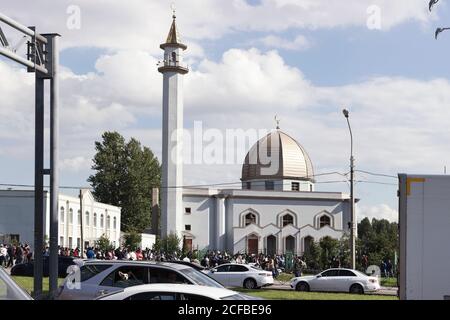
(38, 186)
(81, 225)
(53, 40)
(352, 195)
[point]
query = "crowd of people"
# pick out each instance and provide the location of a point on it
(13, 254)
(21, 253)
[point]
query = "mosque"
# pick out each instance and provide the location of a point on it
(276, 210)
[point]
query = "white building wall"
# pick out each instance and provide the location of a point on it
(201, 219)
(17, 217)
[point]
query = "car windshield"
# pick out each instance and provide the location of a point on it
(200, 278)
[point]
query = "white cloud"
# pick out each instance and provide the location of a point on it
(381, 211)
(75, 164)
(398, 123)
(143, 24)
(299, 43)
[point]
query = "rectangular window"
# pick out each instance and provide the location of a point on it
(270, 185)
(78, 243)
(70, 242)
(249, 185)
(295, 186)
(187, 210)
(61, 241)
(187, 227)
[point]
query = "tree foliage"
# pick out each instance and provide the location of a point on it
(132, 240)
(377, 239)
(125, 173)
(169, 245)
(104, 244)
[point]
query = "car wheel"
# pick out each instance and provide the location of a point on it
(249, 284)
(356, 289)
(302, 286)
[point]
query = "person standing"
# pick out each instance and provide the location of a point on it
(3, 254)
(11, 253)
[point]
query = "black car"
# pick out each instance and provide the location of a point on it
(27, 269)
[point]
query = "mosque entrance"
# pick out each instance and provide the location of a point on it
(290, 244)
(252, 245)
(187, 244)
(271, 245)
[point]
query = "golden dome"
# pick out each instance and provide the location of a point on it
(277, 156)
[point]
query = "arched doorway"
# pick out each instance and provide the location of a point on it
(271, 245)
(290, 244)
(307, 242)
(252, 244)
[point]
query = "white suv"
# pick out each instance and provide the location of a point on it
(240, 275)
(90, 279)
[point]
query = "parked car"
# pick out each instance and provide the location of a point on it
(337, 280)
(166, 291)
(27, 269)
(89, 279)
(10, 290)
(241, 275)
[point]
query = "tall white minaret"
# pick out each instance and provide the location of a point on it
(172, 166)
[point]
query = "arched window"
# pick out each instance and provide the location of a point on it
(70, 215)
(287, 220)
(95, 220)
(62, 215)
(102, 221)
(87, 217)
(324, 221)
(108, 222)
(250, 218)
(174, 57)
(115, 223)
(79, 217)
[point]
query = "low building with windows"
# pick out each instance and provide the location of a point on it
(276, 211)
(97, 219)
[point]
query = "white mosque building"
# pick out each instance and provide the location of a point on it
(275, 211)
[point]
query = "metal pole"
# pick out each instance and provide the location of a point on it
(54, 172)
(81, 225)
(352, 196)
(38, 185)
(20, 27)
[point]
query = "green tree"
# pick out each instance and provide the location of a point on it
(132, 240)
(169, 245)
(104, 244)
(378, 239)
(329, 250)
(312, 256)
(125, 173)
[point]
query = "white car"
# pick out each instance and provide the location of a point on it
(337, 280)
(173, 292)
(241, 275)
(89, 279)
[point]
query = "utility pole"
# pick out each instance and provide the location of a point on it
(352, 195)
(81, 225)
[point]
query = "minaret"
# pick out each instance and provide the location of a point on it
(172, 166)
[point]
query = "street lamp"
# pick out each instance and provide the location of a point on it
(352, 193)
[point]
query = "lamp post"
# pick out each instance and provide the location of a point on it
(352, 194)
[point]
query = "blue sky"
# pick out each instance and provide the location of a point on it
(379, 73)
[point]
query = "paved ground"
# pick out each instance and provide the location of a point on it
(387, 291)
